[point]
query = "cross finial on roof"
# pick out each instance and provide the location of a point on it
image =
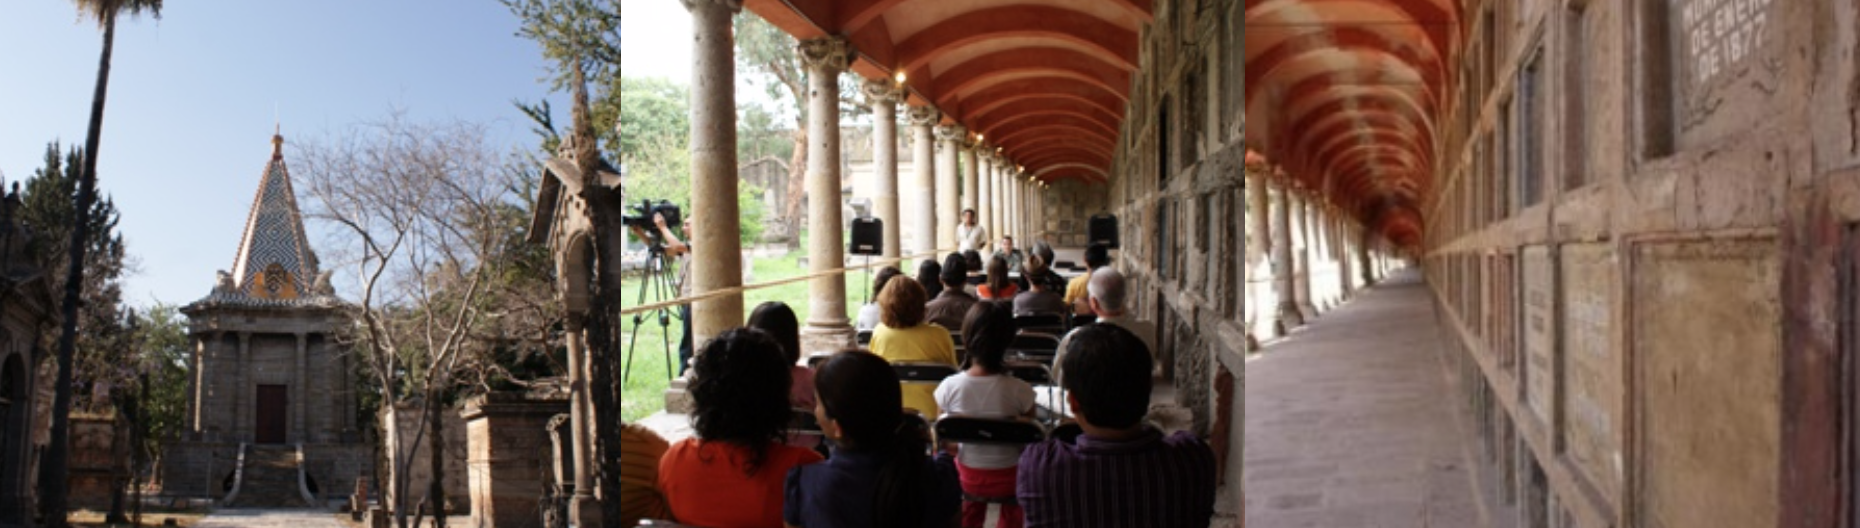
(277, 142)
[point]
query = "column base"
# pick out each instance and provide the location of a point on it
(677, 397)
(1288, 318)
(584, 511)
(826, 339)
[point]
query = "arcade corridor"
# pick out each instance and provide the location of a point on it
(1639, 228)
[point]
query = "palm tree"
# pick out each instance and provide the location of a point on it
(53, 493)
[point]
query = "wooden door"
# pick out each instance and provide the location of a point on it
(272, 402)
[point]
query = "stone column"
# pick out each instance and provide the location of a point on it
(924, 192)
(985, 197)
(208, 347)
(999, 211)
(882, 95)
(716, 234)
(299, 391)
(1282, 261)
(971, 176)
(949, 200)
(1301, 253)
(243, 394)
(580, 407)
(827, 326)
(1017, 209)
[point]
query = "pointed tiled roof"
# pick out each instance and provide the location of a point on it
(274, 265)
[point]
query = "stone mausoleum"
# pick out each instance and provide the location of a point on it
(270, 386)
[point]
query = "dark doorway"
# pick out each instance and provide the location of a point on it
(272, 402)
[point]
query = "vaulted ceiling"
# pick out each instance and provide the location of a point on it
(1343, 95)
(1045, 80)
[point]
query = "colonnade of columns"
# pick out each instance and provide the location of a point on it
(966, 173)
(1304, 255)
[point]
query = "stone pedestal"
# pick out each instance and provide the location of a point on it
(509, 461)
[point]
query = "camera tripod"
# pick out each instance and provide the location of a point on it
(659, 282)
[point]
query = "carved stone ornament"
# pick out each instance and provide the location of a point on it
(952, 134)
(832, 54)
(735, 6)
(924, 115)
(881, 91)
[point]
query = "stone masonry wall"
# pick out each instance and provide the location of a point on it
(1177, 192)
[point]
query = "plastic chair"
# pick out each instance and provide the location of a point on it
(1034, 346)
(922, 372)
(1046, 323)
(863, 337)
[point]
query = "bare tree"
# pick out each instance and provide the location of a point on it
(415, 208)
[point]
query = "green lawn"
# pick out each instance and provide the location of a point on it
(645, 384)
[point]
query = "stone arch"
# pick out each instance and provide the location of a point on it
(576, 268)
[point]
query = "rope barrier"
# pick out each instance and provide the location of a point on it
(737, 290)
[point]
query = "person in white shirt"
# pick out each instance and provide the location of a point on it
(1108, 293)
(970, 235)
(984, 390)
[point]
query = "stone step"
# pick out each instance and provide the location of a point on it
(270, 479)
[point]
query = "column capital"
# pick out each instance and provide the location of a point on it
(735, 6)
(828, 54)
(924, 116)
(881, 91)
(954, 134)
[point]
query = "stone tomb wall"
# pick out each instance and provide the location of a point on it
(510, 459)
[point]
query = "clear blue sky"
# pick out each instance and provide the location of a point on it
(192, 99)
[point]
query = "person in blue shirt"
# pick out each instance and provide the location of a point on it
(878, 474)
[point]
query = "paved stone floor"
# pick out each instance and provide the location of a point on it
(242, 518)
(1351, 422)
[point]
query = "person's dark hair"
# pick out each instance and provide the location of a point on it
(987, 330)
(969, 211)
(884, 276)
(901, 306)
(929, 276)
(955, 271)
(776, 318)
(997, 274)
(860, 391)
(974, 258)
(740, 391)
(1044, 252)
(1108, 369)
(1097, 255)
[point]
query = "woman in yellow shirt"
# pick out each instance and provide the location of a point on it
(903, 335)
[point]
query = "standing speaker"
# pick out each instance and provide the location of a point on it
(1102, 229)
(868, 236)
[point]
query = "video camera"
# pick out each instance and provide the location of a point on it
(642, 217)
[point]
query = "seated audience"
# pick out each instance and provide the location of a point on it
(1015, 258)
(927, 273)
(1120, 471)
(1108, 295)
(1096, 256)
(1040, 299)
(776, 318)
(997, 287)
(904, 335)
(730, 474)
(948, 308)
(879, 474)
(977, 270)
(868, 314)
(984, 391)
(1044, 253)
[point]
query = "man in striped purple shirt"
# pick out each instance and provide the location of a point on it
(1120, 472)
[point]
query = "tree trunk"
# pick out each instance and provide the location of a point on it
(797, 184)
(436, 444)
(52, 481)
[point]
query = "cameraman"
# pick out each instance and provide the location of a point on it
(678, 249)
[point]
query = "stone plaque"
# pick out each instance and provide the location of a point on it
(1591, 367)
(1705, 318)
(1728, 61)
(1539, 331)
